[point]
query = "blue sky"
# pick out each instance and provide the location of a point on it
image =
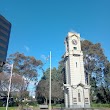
(40, 26)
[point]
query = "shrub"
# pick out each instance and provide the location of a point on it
(1, 103)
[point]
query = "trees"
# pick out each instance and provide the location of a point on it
(42, 89)
(25, 66)
(97, 72)
(98, 67)
(107, 75)
(3, 83)
(94, 59)
(17, 84)
(24, 70)
(94, 63)
(104, 89)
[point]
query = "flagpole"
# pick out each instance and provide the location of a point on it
(50, 85)
(9, 86)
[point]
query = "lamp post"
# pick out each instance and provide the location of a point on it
(11, 66)
(50, 85)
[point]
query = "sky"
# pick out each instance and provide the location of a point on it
(40, 26)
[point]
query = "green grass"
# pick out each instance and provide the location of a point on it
(57, 105)
(9, 108)
(99, 105)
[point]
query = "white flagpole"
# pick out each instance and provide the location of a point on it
(50, 85)
(9, 86)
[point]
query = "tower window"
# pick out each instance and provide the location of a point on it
(75, 48)
(79, 97)
(86, 99)
(76, 64)
(74, 100)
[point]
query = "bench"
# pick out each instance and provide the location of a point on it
(43, 106)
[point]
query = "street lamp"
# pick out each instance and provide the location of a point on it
(11, 68)
(50, 85)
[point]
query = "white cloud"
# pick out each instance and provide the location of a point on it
(82, 39)
(71, 30)
(27, 48)
(44, 57)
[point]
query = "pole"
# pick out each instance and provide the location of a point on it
(9, 86)
(50, 85)
(84, 97)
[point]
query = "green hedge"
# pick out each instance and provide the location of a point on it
(32, 103)
(1, 103)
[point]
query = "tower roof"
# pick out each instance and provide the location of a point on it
(70, 34)
(73, 34)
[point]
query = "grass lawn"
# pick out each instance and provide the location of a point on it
(9, 108)
(14, 108)
(99, 105)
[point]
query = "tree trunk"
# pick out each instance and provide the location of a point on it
(46, 101)
(54, 101)
(88, 78)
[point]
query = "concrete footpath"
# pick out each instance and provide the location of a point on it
(85, 109)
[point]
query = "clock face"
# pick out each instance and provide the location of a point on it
(74, 42)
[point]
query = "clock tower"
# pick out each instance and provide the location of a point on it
(76, 90)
